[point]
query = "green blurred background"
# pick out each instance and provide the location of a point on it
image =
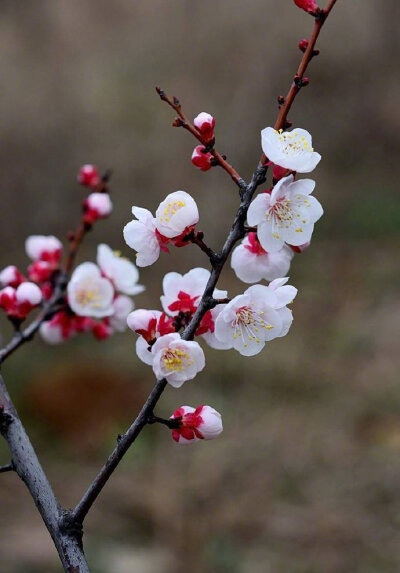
(305, 477)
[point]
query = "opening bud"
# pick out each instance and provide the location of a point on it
(201, 159)
(205, 124)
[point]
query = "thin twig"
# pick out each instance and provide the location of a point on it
(7, 468)
(186, 124)
(296, 86)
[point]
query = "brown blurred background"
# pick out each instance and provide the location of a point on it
(305, 478)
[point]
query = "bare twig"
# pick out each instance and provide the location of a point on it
(7, 468)
(184, 122)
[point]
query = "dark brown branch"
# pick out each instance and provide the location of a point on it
(124, 442)
(7, 468)
(184, 122)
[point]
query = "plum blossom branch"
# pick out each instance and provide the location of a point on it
(217, 260)
(183, 121)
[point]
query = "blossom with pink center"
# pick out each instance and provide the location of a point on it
(140, 234)
(290, 149)
(119, 270)
(257, 316)
(175, 214)
(286, 215)
(11, 276)
(201, 158)
(44, 248)
(205, 123)
(182, 293)
(150, 325)
(176, 360)
(201, 423)
(90, 294)
(97, 206)
(252, 263)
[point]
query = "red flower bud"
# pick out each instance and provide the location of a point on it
(308, 5)
(303, 45)
(200, 159)
(89, 176)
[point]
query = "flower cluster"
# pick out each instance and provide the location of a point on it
(23, 292)
(281, 222)
(97, 298)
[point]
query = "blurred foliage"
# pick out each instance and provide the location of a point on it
(305, 476)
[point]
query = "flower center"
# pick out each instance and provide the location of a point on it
(293, 143)
(281, 212)
(176, 359)
(88, 297)
(248, 323)
(171, 209)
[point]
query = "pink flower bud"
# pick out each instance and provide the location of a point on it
(202, 423)
(200, 159)
(89, 176)
(97, 206)
(44, 248)
(308, 5)
(11, 276)
(28, 293)
(205, 124)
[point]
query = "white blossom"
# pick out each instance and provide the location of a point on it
(119, 270)
(286, 215)
(256, 317)
(176, 360)
(141, 236)
(177, 212)
(90, 294)
(252, 263)
(290, 149)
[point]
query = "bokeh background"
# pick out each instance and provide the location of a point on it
(305, 478)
